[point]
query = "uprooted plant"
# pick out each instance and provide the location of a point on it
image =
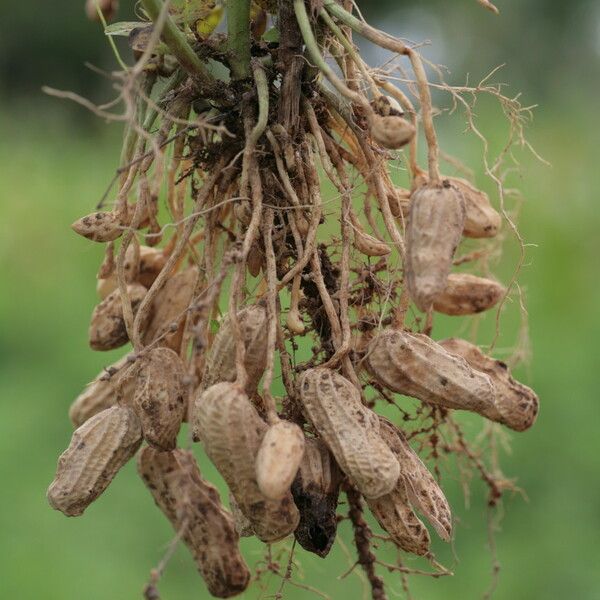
(225, 263)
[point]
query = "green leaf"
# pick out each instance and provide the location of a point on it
(271, 35)
(124, 27)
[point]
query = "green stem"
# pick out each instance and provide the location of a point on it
(179, 46)
(315, 54)
(238, 37)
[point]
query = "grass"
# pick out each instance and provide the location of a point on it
(548, 546)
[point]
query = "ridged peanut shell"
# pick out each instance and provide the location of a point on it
(422, 489)
(399, 202)
(231, 432)
(159, 398)
(242, 524)
(278, 459)
(107, 329)
(433, 232)
(168, 310)
(194, 508)
(394, 515)
(467, 294)
(315, 491)
(415, 365)
(99, 226)
(103, 393)
(220, 362)
(145, 271)
(482, 220)
(98, 449)
(351, 431)
(516, 404)
(391, 132)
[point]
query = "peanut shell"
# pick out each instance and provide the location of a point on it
(517, 405)
(194, 508)
(278, 459)
(159, 398)
(414, 365)
(481, 219)
(107, 329)
(220, 362)
(391, 132)
(103, 393)
(467, 294)
(433, 232)
(351, 431)
(98, 449)
(231, 432)
(316, 490)
(99, 226)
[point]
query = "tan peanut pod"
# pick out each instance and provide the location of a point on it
(315, 491)
(107, 329)
(194, 508)
(386, 106)
(159, 398)
(242, 524)
(394, 514)
(399, 202)
(467, 294)
(434, 229)
(220, 362)
(108, 8)
(231, 431)
(414, 365)
(516, 404)
(168, 310)
(98, 449)
(99, 226)
(103, 393)
(391, 132)
(278, 459)
(422, 489)
(481, 220)
(351, 431)
(151, 262)
(366, 243)
(255, 260)
(294, 322)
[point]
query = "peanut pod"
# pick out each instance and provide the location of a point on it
(194, 508)
(98, 449)
(231, 432)
(481, 219)
(433, 232)
(351, 431)
(467, 294)
(159, 398)
(278, 459)
(99, 226)
(316, 490)
(220, 362)
(516, 404)
(107, 329)
(414, 365)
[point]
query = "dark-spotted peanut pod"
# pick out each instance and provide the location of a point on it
(159, 399)
(433, 232)
(316, 490)
(98, 449)
(169, 310)
(107, 329)
(481, 219)
(278, 459)
(391, 132)
(517, 405)
(231, 431)
(194, 508)
(467, 294)
(99, 226)
(104, 391)
(220, 362)
(422, 489)
(351, 431)
(414, 365)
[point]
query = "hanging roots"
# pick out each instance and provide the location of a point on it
(227, 267)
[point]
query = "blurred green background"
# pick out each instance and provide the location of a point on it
(55, 162)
